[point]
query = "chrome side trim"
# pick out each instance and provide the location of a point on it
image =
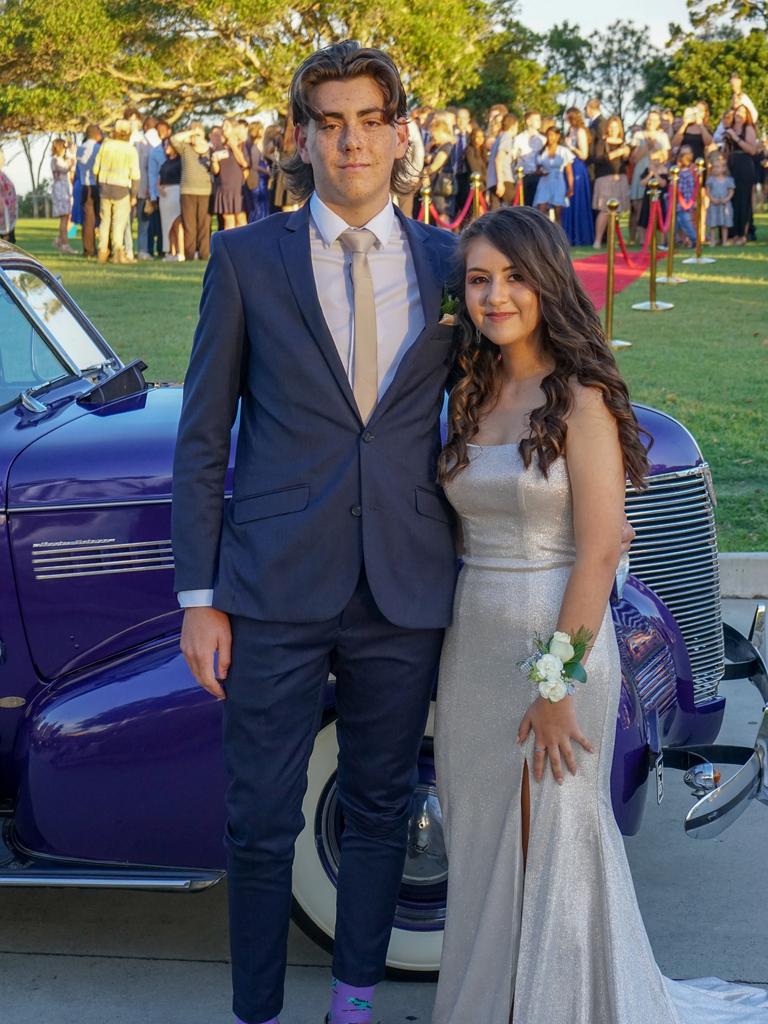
(80, 547)
(79, 506)
(61, 880)
(101, 572)
(16, 509)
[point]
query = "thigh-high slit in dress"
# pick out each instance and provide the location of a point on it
(563, 939)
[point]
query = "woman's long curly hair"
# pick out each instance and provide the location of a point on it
(571, 336)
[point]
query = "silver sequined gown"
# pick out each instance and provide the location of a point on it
(566, 940)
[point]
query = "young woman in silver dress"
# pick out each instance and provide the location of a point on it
(542, 923)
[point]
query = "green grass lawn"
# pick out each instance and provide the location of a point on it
(704, 362)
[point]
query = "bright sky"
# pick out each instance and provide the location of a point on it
(596, 15)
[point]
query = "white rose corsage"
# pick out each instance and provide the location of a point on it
(555, 664)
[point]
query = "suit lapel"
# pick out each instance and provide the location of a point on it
(429, 273)
(294, 246)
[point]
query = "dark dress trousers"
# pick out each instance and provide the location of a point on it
(334, 554)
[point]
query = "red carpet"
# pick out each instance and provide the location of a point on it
(592, 272)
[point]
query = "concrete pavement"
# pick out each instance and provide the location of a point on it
(71, 957)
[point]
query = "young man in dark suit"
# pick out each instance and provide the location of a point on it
(336, 551)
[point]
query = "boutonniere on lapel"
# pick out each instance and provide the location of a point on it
(448, 307)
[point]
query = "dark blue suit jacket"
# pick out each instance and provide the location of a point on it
(316, 493)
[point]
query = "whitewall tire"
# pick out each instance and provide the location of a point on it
(411, 949)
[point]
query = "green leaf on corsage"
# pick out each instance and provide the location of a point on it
(575, 670)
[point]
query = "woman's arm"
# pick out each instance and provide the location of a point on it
(437, 162)
(677, 138)
(569, 179)
(596, 472)
(581, 149)
(749, 143)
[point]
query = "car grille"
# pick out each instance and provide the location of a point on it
(675, 554)
(69, 559)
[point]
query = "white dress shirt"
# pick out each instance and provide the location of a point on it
(528, 145)
(399, 313)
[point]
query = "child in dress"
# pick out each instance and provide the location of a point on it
(720, 189)
(62, 171)
(555, 185)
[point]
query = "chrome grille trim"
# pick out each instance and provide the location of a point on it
(656, 681)
(675, 554)
(71, 559)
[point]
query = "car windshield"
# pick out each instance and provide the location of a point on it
(58, 318)
(26, 359)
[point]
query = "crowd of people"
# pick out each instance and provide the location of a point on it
(572, 170)
(178, 185)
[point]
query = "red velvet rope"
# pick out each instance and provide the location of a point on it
(654, 222)
(623, 245)
(452, 225)
(518, 194)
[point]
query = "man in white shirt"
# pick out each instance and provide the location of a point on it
(528, 145)
(336, 552)
(86, 156)
(500, 178)
(148, 140)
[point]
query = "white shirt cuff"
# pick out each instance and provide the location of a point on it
(195, 598)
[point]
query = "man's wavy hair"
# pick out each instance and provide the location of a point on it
(572, 338)
(342, 61)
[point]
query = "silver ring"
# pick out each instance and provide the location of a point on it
(539, 750)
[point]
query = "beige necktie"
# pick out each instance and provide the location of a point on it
(365, 381)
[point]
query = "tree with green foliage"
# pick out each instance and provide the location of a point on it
(619, 57)
(510, 71)
(698, 69)
(63, 62)
(567, 54)
(705, 13)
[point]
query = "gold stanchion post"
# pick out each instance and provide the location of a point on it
(426, 200)
(519, 193)
(615, 343)
(652, 306)
(475, 181)
(698, 258)
(670, 277)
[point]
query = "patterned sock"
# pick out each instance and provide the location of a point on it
(351, 1004)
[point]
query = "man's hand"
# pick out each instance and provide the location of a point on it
(627, 536)
(204, 633)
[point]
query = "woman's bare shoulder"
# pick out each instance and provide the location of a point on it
(588, 408)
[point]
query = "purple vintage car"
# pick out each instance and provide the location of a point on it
(111, 769)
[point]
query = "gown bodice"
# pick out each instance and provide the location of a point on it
(513, 517)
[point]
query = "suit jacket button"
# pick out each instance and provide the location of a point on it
(368, 437)
(356, 510)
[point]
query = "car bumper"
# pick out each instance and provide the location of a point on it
(719, 807)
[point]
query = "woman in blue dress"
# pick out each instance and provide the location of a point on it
(578, 221)
(556, 182)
